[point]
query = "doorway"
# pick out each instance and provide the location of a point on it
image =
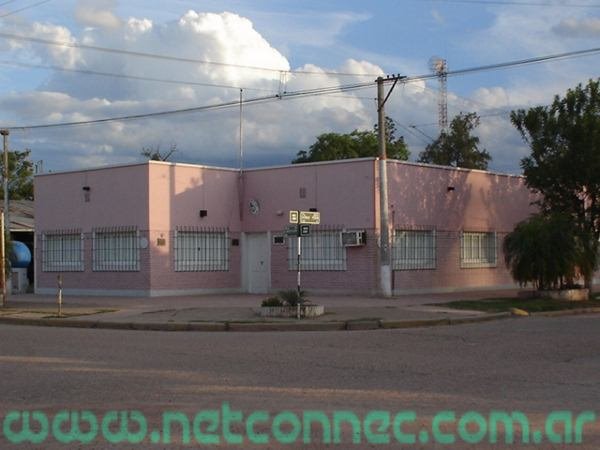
(257, 263)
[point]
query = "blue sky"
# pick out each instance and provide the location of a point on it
(378, 37)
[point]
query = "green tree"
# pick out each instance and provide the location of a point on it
(564, 164)
(154, 153)
(20, 175)
(458, 147)
(357, 144)
(544, 250)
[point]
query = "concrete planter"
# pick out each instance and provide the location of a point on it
(292, 311)
(569, 295)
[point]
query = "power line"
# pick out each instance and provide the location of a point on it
(411, 131)
(319, 91)
(173, 58)
(131, 77)
(22, 9)
(7, 2)
(217, 106)
(508, 64)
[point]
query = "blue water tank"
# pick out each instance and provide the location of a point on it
(20, 256)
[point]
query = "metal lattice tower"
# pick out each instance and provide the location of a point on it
(440, 67)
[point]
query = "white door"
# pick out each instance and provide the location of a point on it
(258, 263)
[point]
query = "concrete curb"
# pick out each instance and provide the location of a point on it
(350, 325)
(567, 312)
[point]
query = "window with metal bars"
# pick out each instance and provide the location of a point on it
(62, 251)
(414, 249)
(478, 249)
(322, 249)
(201, 250)
(116, 249)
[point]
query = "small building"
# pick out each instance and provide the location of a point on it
(159, 228)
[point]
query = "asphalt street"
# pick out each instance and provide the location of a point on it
(532, 365)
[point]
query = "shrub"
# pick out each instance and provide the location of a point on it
(292, 297)
(272, 301)
(545, 251)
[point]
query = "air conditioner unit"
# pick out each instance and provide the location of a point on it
(354, 238)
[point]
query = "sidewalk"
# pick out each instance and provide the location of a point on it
(238, 312)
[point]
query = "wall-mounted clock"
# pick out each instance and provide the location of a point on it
(254, 206)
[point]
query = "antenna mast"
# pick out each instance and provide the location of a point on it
(440, 68)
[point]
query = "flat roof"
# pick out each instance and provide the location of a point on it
(143, 163)
(282, 166)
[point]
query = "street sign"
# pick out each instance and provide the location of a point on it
(304, 230)
(291, 230)
(310, 217)
(294, 216)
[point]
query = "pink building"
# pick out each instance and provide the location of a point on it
(158, 228)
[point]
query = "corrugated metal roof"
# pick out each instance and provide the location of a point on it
(21, 215)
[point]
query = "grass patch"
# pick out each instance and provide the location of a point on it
(532, 305)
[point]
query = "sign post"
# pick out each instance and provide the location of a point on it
(302, 220)
(3, 259)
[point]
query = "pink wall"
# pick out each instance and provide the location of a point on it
(159, 197)
(342, 191)
(118, 196)
(419, 195)
(486, 202)
(177, 193)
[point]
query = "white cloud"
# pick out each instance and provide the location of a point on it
(578, 28)
(273, 131)
(97, 13)
(60, 55)
(493, 97)
(315, 28)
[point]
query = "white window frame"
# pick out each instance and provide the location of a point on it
(124, 253)
(201, 250)
(315, 257)
(414, 249)
(71, 259)
(476, 251)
